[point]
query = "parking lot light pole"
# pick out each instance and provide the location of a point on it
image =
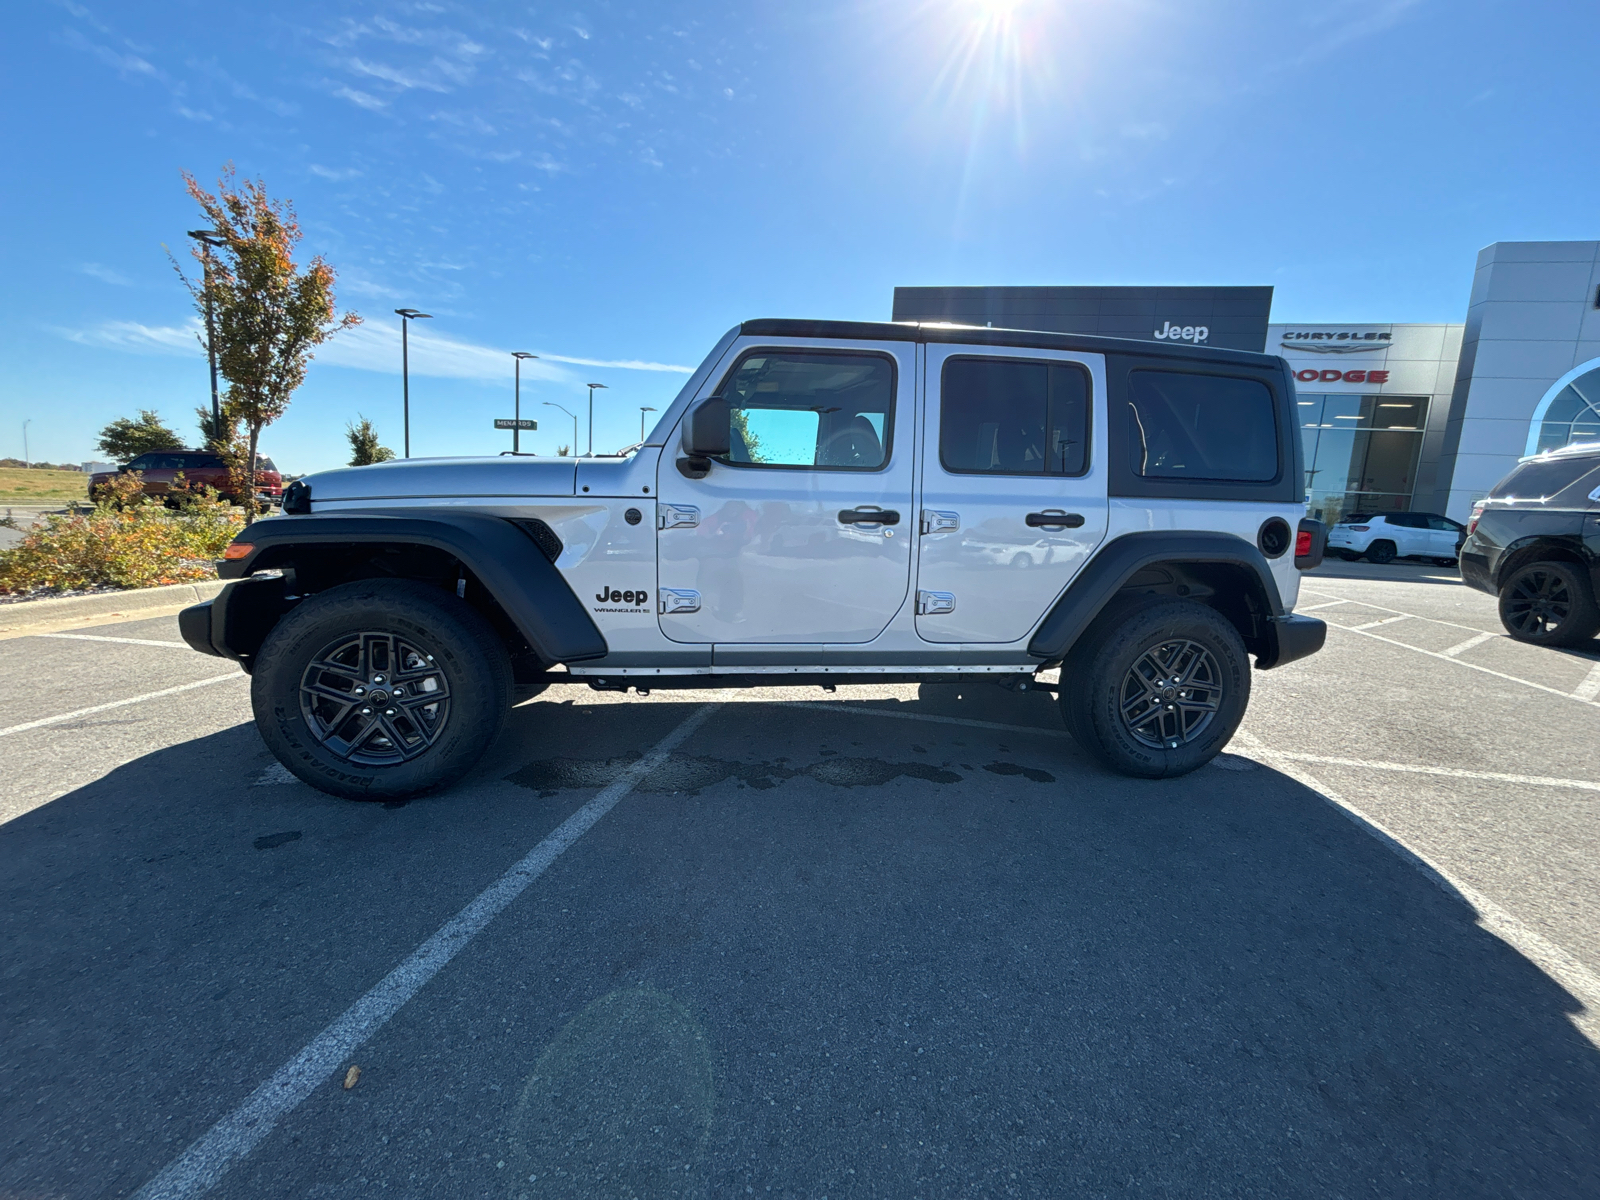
(407, 315)
(643, 408)
(574, 416)
(591, 388)
(210, 241)
(27, 458)
(516, 434)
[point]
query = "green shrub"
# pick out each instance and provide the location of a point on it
(135, 545)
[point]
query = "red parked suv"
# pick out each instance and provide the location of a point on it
(200, 468)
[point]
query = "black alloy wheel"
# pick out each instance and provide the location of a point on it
(381, 689)
(1549, 604)
(375, 698)
(1381, 552)
(1171, 694)
(1156, 689)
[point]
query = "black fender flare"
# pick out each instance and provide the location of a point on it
(1282, 638)
(502, 556)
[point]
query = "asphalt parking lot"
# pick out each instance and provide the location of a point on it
(886, 942)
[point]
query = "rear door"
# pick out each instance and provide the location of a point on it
(1013, 494)
(803, 533)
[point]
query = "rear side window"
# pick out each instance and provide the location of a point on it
(263, 463)
(1541, 480)
(1201, 427)
(1004, 416)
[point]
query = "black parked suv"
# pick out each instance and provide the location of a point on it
(1535, 543)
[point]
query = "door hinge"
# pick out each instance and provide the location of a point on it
(932, 603)
(677, 516)
(934, 521)
(679, 600)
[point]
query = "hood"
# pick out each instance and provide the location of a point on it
(426, 478)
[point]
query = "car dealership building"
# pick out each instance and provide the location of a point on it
(1393, 416)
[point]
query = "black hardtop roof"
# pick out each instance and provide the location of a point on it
(985, 336)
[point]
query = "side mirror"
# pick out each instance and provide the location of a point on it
(705, 436)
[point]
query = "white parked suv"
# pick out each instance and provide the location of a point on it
(824, 503)
(1384, 537)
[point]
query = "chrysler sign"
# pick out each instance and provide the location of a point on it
(1341, 341)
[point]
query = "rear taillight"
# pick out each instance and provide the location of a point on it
(1302, 543)
(1472, 521)
(1359, 528)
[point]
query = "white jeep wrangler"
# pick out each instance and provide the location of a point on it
(823, 503)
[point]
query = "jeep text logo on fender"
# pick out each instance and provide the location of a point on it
(640, 598)
(1182, 333)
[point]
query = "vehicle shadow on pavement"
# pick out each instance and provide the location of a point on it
(1047, 981)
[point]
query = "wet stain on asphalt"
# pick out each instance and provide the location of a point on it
(691, 773)
(1033, 773)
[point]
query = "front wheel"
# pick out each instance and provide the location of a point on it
(1549, 604)
(380, 689)
(1157, 690)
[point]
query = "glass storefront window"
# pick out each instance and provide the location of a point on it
(1361, 452)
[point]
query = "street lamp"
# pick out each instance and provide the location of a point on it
(516, 432)
(643, 408)
(27, 459)
(211, 241)
(407, 315)
(574, 416)
(591, 387)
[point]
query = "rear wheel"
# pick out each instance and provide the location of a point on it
(381, 689)
(1157, 690)
(1381, 552)
(1549, 604)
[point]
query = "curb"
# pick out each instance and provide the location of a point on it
(67, 608)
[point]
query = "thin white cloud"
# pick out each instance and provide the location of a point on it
(394, 75)
(333, 173)
(368, 347)
(368, 102)
(104, 274)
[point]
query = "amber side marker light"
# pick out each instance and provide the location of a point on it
(238, 550)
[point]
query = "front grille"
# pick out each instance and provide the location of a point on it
(543, 537)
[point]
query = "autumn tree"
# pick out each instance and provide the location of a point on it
(126, 439)
(270, 313)
(364, 446)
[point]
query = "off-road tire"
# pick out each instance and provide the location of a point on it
(468, 667)
(1381, 552)
(1549, 604)
(1096, 678)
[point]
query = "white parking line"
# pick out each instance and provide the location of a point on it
(1590, 687)
(203, 1164)
(1554, 961)
(1477, 640)
(1396, 611)
(85, 712)
(1328, 604)
(90, 637)
(1448, 772)
(1378, 637)
(1384, 621)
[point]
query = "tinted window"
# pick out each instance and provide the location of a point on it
(1407, 520)
(1005, 417)
(1444, 523)
(1184, 426)
(1540, 480)
(263, 463)
(793, 409)
(143, 463)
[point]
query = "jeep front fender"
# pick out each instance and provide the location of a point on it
(503, 558)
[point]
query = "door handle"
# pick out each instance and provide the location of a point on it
(1054, 519)
(868, 516)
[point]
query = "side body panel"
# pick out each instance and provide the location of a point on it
(976, 545)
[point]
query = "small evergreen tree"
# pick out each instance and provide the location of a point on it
(124, 439)
(364, 446)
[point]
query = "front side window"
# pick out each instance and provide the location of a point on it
(1201, 427)
(1005, 416)
(798, 409)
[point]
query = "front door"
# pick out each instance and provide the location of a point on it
(803, 533)
(1013, 490)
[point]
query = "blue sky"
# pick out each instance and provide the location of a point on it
(613, 185)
